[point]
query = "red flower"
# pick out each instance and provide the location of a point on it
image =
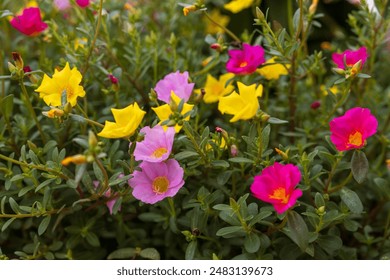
(245, 61)
(276, 185)
(351, 130)
(82, 3)
(351, 57)
(29, 22)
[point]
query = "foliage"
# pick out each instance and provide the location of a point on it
(56, 209)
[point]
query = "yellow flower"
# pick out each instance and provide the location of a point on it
(80, 43)
(214, 89)
(333, 89)
(212, 28)
(274, 70)
(165, 112)
(63, 85)
(126, 122)
(244, 105)
(236, 6)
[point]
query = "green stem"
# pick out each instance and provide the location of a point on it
(290, 16)
(231, 34)
(105, 175)
(30, 108)
(99, 21)
(332, 172)
(89, 121)
(33, 166)
(340, 186)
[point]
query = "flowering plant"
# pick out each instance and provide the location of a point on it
(160, 130)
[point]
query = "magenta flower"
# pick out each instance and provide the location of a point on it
(351, 130)
(62, 5)
(351, 57)
(29, 22)
(157, 144)
(276, 185)
(176, 82)
(245, 61)
(82, 3)
(157, 180)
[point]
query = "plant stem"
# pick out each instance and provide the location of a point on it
(33, 166)
(105, 175)
(30, 108)
(231, 34)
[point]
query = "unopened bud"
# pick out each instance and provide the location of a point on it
(259, 14)
(18, 60)
(284, 155)
(339, 71)
(114, 80)
(68, 108)
(54, 113)
(92, 140)
(76, 159)
(315, 105)
(321, 210)
(216, 47)
(313, 7)
(188, 9)
(233, 150)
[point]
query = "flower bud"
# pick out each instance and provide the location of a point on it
(339, 71)
(315, 105)
(92, 140)
(76, 159)
(68, 108)
(284, 155)
(188, 9)
(18, 60)
(233, 150)
(313, 7)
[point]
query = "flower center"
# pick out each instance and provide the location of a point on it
(160, 184)
(159, 152)
(68, 92)
(280, 194)
(355, 139)
(243, 64)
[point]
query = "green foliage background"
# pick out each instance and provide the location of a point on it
(49, 211)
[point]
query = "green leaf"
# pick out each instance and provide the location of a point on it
(6, 107)
(186, 154)
(43, 225)
(329, 243)
(252, 242)
(44, 184)
(297, 230)
(273, 120)
(191, 250)
(240, 160)
(5, 13)
(123, 253)
(14, 205)
(150, 253)
(352, 200)
(92, 239)
(224, 177)
(220, 163)
(265, 137)
(231, 231)
(319, 200)
(359, 166)
(262, 215)
(7, 224)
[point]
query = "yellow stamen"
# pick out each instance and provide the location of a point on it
(355, 139)
(160, 185)
(280, 194)
(159, 152)
(243, 64)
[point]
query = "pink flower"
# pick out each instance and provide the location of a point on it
(82, 3)
(176, 82)
(351, 130)
(276, 185)
(157, 144)
(114, 80)
(351, 57)
(62, 5)
(245, 61)
(157, 180)
(110, 203)
(29, 22)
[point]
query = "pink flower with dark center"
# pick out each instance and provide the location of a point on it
(276, 185)
(176, 82)
(82, 3)
(29, 22)
(157, 144)
(157, 180)
(246, 60)
(351, 130)
(351, 57)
